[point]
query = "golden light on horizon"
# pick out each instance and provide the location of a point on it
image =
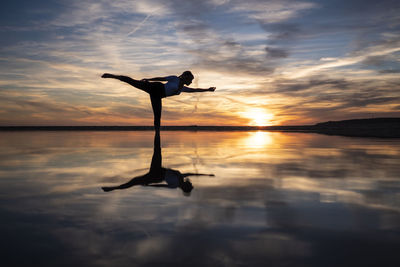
(258, 117)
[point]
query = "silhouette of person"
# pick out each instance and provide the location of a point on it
(159, 176)
(157, 90)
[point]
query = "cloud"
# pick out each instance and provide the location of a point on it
(281, 31)
(276, 52)
(375, 52)
(296, 86)
(364, 101)
(271, 11)
(139, 25)
(238, 65)
(389, 71)
(375, 60)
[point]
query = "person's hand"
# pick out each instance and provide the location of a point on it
(212, 89)
(107, 75)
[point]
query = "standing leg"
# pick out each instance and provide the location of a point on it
(157, 106)
(155, 166)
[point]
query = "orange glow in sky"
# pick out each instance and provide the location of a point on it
(259, 117)
(272, 62)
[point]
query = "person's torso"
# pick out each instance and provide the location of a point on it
(172, 86)
(172, 178)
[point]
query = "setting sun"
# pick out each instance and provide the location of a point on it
(259, 117)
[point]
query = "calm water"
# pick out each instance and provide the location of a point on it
(275, 199)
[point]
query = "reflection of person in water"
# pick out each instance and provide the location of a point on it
(159, 176)
(174, 86)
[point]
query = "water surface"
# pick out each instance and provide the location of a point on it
(279, 199)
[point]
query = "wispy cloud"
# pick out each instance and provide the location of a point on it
(271, 11)
(139, 25)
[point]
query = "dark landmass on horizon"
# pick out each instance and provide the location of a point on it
(375, 127)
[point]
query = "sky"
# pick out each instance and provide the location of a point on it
(273, 62)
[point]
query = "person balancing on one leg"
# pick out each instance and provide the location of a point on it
(174, 86)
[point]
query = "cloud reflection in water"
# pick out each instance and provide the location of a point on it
(278, 198)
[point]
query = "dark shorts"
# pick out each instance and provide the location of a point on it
(154, 176)
(156, 89)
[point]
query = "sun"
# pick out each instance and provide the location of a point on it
(259, 117)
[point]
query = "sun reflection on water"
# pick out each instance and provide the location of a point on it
(258, 139)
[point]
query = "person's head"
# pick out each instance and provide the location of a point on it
(186, 187)
(187, 77)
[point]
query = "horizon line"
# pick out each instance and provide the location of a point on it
(380, 119)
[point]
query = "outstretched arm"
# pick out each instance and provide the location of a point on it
(195, 90)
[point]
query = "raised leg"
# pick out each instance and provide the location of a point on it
(145, 86)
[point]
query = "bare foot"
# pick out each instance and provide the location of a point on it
(107, 189)
(107, 75)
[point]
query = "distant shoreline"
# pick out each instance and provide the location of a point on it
(377, 127)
